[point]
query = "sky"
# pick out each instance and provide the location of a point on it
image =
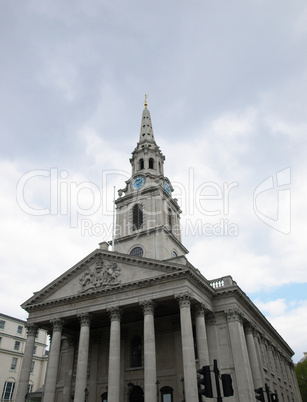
(226, 84)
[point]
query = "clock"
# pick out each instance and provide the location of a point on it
(138, 183)
(167, 187)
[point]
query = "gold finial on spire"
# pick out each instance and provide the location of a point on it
(145, 103)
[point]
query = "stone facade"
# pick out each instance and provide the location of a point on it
(135, 324)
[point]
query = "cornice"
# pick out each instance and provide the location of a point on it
(238, 293)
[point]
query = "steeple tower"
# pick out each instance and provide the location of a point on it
(147, 217)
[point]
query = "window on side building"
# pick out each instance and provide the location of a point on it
(17, 345)
(8, 391)
(14, 363)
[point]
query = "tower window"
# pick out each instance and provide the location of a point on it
(141, 163)
(137, 216)
(137, 252)
(170, 218)
(136, 352)
(151, 163)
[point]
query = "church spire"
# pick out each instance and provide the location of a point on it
(146, 132)
(147, 216)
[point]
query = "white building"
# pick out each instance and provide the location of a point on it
(135, 324)
(13, 336)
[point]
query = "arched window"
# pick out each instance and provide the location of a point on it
(166, 394)
(104, 397)
(159, 167)
(170, 218)
(136, 394)
(8, 390)
(151, 163)
(141, 164)
(136, 352)
(137, 216)
(137, 252)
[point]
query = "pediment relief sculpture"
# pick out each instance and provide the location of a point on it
(105, 273)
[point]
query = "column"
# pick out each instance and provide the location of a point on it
(295, 389)
(240, 355)
(114, 356)
(188, 354)
(53, 360)
(253, 358)
(26, 363)
(271, 357)
(259, 350)
(82, 362)
(201, 336)
(150, 374)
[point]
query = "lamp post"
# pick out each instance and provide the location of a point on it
(182, 382)
(130, 387)
(157, 384)
(85, 394)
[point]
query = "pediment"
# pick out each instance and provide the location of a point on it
(100, 272)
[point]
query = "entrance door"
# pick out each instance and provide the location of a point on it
(136, 394)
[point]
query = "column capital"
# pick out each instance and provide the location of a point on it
(234, 314)
(115, 313)
(202, 309)
(148, 306)
(57, 324)
(31, 329)
(85, 319)
(184, 299)
(211, 318)
(249, 328)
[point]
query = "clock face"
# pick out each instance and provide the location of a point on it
(167, 187)
(138, 183)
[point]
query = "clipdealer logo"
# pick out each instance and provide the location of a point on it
(278, 188)
(81, 201)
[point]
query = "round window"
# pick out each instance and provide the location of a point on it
(137, 251)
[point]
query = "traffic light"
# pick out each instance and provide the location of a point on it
(206, 381)
(259, 397)
(227, 384)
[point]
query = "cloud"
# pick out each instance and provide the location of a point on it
(290, 320)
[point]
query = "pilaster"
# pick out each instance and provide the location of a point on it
(240, 355)
(252, 353)
(201, 335)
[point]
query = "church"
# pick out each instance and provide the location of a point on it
(138, 322)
